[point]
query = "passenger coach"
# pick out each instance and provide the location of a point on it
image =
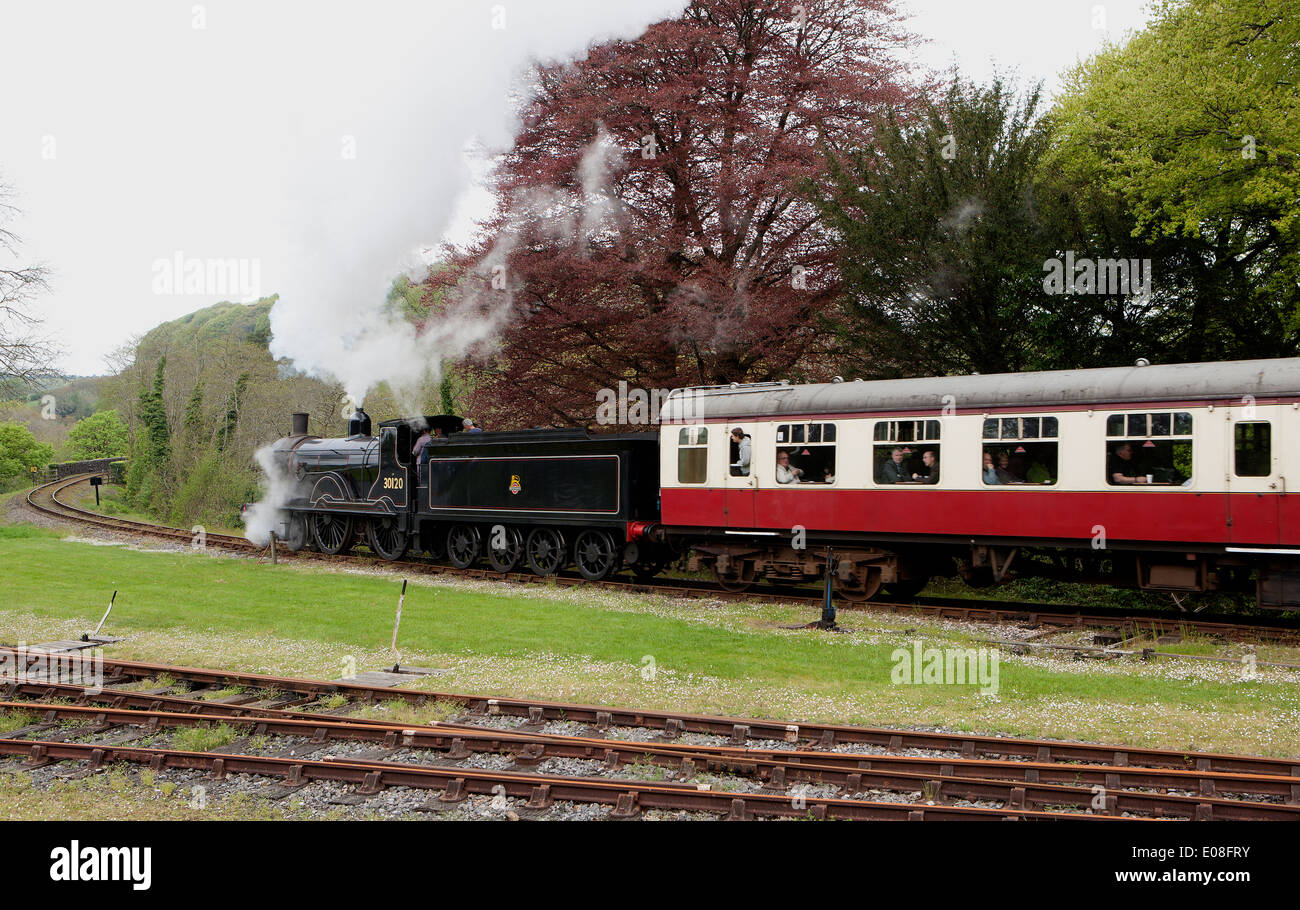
(1172, 478)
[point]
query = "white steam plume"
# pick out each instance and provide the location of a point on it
(263, 517)
(393, 185)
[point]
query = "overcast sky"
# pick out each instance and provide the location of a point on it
(136, 134)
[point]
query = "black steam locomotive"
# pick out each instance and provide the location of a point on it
(545, 499)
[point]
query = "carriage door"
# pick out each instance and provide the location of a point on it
(738, 488)
(1253, 475)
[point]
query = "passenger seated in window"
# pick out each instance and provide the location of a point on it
(1121, 467)
(1005, 474)
(785, 473)
(893, 470)
(1038, 473)
(929, 472)
(742, 445)
(990, 472)
(828, 476)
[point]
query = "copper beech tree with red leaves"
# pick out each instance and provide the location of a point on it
(649, 226)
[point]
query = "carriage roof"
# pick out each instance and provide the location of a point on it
(1058, 388)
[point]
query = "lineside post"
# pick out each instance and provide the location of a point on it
(397, 657)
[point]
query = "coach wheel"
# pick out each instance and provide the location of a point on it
(596, 555)
(298, 534)
(387, 540)
(908, 589)
(463, 546)
(739, 575)
(863, 582)
(977, 576)
(332, 533)
(545, 551)
(506, 558)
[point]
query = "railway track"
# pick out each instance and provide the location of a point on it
(1021, 775)
(1158, 793)
(45, 500)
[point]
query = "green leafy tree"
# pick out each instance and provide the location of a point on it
(941, 245)
(101, 435)
(1194, 127)
(151, 464)
(20, 452)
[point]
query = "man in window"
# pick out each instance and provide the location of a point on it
(929, 472)
(784, 472)
(743, 444)
(1121, 468)
(894, 471)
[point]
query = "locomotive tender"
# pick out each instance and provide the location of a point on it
(1168, 478)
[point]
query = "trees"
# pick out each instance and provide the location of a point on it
(25, 354)
(101, 435)
(649, 228)
(20, 453)
(1193, 127)
(941, 241)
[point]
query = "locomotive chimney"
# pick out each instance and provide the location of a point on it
(299, 423)
(359, 424)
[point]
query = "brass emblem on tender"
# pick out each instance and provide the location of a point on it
(515, 486)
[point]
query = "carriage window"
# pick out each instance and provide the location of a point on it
(805, 453)
(1020, 450)
(906, 451)
(1253, 447)
(1146, 449)
(692, 454)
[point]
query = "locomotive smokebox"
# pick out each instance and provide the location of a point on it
(299, 423)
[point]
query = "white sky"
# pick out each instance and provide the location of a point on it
(129, 134)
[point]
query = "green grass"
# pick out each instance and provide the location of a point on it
(202, 739)
(727, 658)
(15, 720)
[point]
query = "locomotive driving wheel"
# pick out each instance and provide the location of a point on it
(864, 582)
(507, 557)
(463, 546)
(596, 555)
(332, 533)
(545, 551)
(737, 577)
(387, 540)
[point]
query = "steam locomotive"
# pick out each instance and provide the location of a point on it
(1166, 478)
(544, 499)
